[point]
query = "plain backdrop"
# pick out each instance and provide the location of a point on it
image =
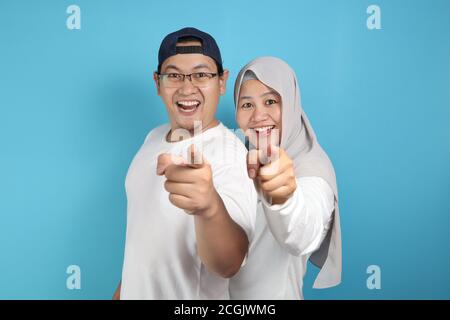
(75, 106)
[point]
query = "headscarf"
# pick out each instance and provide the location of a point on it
(300, 143)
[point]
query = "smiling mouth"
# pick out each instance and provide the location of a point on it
(263, 131)
(188, 107)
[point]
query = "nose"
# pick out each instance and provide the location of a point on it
(259, 114)
(187, 87)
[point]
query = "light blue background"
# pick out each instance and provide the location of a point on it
(76, 105)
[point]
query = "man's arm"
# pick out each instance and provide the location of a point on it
(222, 244)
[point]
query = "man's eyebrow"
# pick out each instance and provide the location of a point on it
(171, 66)
(201, 66)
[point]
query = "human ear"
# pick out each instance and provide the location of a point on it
(156, 79)
(223, 81)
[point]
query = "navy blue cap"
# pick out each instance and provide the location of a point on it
(209, 46)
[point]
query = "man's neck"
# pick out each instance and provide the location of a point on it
(192, 132)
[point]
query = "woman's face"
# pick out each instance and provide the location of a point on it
(259, 112)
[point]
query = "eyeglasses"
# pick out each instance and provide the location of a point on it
(176, 80)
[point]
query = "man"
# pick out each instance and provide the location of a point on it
(191, 205)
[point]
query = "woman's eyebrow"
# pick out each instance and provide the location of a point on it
(269, 93)
(264, 94)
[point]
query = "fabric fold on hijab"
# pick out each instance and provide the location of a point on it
(300, 143)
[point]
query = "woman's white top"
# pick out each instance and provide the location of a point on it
(285, 236)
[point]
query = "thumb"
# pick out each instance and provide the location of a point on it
(165, 160)
(253, 163)
(269, 154)
(274, 152)
(195, 158)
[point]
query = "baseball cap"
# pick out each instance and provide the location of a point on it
(208, 48)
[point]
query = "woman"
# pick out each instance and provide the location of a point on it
(298, 214)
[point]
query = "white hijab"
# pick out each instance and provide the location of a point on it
(300, 143)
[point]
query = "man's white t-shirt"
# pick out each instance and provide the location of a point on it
(161, 260)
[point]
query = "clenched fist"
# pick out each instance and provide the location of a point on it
(189, 183)
(276, 178)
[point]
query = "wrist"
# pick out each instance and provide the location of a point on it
(211, 210)
(279, 200)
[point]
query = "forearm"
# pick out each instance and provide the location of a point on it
(221, 243)
(301, 223)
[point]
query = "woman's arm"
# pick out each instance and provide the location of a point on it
(301, 223)
(298, 210)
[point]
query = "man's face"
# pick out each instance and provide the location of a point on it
(187, 103)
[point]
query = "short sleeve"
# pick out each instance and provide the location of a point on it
(238, 195)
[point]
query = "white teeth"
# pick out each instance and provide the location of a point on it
(189, 103)
(262, 129)
(188, 106)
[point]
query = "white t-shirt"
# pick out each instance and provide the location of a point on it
(285, 237)
(161, 260)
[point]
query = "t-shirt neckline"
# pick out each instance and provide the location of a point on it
(204, 134)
